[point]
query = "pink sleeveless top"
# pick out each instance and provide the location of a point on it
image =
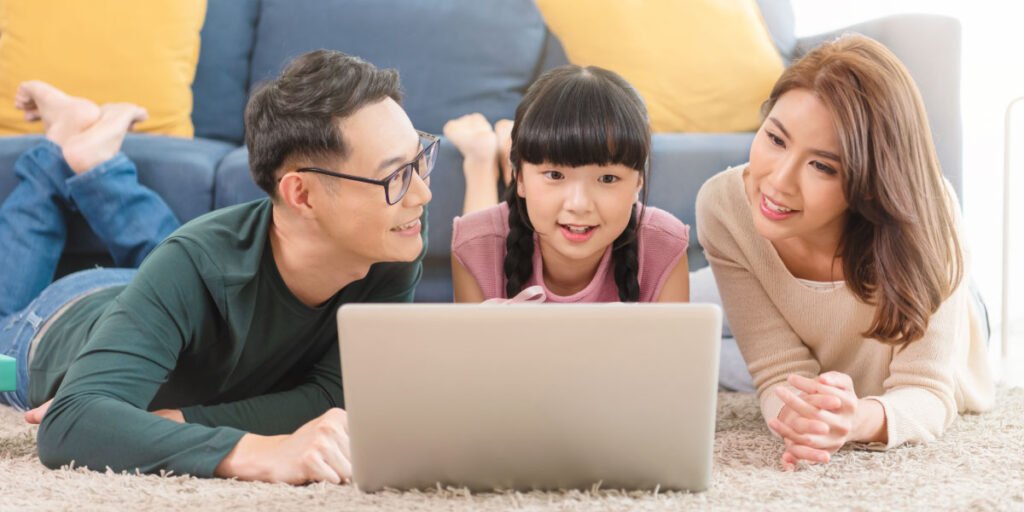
(478, 242)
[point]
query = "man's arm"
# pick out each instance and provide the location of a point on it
(98, 418)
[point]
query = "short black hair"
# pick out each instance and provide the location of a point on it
(297, 114)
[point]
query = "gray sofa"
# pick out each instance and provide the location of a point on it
(455, 57)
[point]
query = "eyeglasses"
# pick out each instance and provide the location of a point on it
(397, 183)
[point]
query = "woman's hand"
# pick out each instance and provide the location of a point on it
(817, 422)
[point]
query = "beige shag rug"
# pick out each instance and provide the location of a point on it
(977, 465)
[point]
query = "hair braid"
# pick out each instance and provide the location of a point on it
(518, 245)
(625, 252)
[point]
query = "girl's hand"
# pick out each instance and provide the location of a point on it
(817, 422)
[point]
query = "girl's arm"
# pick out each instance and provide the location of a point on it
(464, 285)
(677, 285)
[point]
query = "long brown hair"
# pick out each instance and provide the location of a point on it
(900, 250)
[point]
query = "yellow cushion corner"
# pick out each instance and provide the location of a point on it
(700, 65)
(142, 52)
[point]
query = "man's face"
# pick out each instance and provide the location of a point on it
(379, 139)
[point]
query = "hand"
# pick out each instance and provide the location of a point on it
(35, 416)
(171, 414)
(817, 422)
(473, 136)
(317, 452)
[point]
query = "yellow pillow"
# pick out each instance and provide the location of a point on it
(138, 51)
(700, 65)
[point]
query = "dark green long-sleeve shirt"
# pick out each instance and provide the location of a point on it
(207, 325)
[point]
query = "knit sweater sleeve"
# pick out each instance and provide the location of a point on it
(769, 345)
(921, 391)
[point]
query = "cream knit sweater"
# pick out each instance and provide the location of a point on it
(783, 326)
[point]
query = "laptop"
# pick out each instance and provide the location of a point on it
(530, 396)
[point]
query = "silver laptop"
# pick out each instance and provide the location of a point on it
(495, 397)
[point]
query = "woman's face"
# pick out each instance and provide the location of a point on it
(794, 183)
(579, 211)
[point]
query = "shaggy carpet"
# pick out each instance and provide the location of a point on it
(977, 465)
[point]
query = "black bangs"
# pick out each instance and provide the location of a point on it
(574, 116)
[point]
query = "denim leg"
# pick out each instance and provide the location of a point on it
(18, 330)
(128, 217)
(33, 228)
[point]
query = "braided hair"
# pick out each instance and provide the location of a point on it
(574, 116)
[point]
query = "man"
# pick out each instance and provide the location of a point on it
(227, 331)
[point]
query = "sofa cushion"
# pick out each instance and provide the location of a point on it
(233, 183)
(179, 170)
(700, 66)
(681, 163)
(778, 17)
(112, 50)
(221, 87)
(455, 56)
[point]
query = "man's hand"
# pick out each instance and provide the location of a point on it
(317, 452)
(35, 416)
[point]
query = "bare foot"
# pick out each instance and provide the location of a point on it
(503, 129)
(63, 116)
(103, 139)
(472, 135)
(35, 416)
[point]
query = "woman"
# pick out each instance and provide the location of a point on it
(837, 253)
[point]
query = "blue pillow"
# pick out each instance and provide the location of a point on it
(454, 56)
(221, 87)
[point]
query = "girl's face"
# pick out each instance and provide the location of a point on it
(577, 212)
(794, 180)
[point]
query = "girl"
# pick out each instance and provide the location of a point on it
(839, 262)
(572, 221)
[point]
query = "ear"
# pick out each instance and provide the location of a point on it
(639, 186)
(293, 190)
(520, 188)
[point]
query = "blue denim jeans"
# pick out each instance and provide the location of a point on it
(129, 218)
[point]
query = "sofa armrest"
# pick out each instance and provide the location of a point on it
(929, 46)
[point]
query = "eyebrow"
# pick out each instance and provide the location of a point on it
(390, 162)
(387, 165)
(818, 152)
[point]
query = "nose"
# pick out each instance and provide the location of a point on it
(784, 178)
(418, 194)
(579, 199)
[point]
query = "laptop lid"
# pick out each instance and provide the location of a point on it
(531, 396)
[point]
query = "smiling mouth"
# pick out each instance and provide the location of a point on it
(577, 228)
(776, 207)
(408, 225)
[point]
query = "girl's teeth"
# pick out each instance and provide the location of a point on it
(578, 230)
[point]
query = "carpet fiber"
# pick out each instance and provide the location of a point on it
(977, 465)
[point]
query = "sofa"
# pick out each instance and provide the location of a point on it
(455, 57)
